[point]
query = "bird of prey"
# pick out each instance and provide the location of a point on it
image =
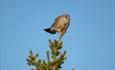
(60, 25)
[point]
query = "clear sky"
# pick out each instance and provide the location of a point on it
(89, 41)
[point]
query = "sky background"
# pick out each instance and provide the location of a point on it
(89, 41)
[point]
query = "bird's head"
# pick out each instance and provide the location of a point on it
(66, 18)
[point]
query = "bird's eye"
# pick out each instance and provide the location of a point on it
(65, 16)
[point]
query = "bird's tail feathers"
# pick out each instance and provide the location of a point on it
(49, 31)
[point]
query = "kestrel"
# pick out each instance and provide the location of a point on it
(60, 25)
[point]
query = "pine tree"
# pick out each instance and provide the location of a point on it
(55, 58)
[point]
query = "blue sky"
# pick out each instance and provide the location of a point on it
(89, 41)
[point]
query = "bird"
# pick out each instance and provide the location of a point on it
(60, 25)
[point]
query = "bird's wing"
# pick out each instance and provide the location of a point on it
(56, 21)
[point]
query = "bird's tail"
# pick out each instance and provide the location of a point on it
(49, 31)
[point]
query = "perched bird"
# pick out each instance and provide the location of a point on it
(60, 25)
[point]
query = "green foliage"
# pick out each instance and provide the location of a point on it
(54, 62)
